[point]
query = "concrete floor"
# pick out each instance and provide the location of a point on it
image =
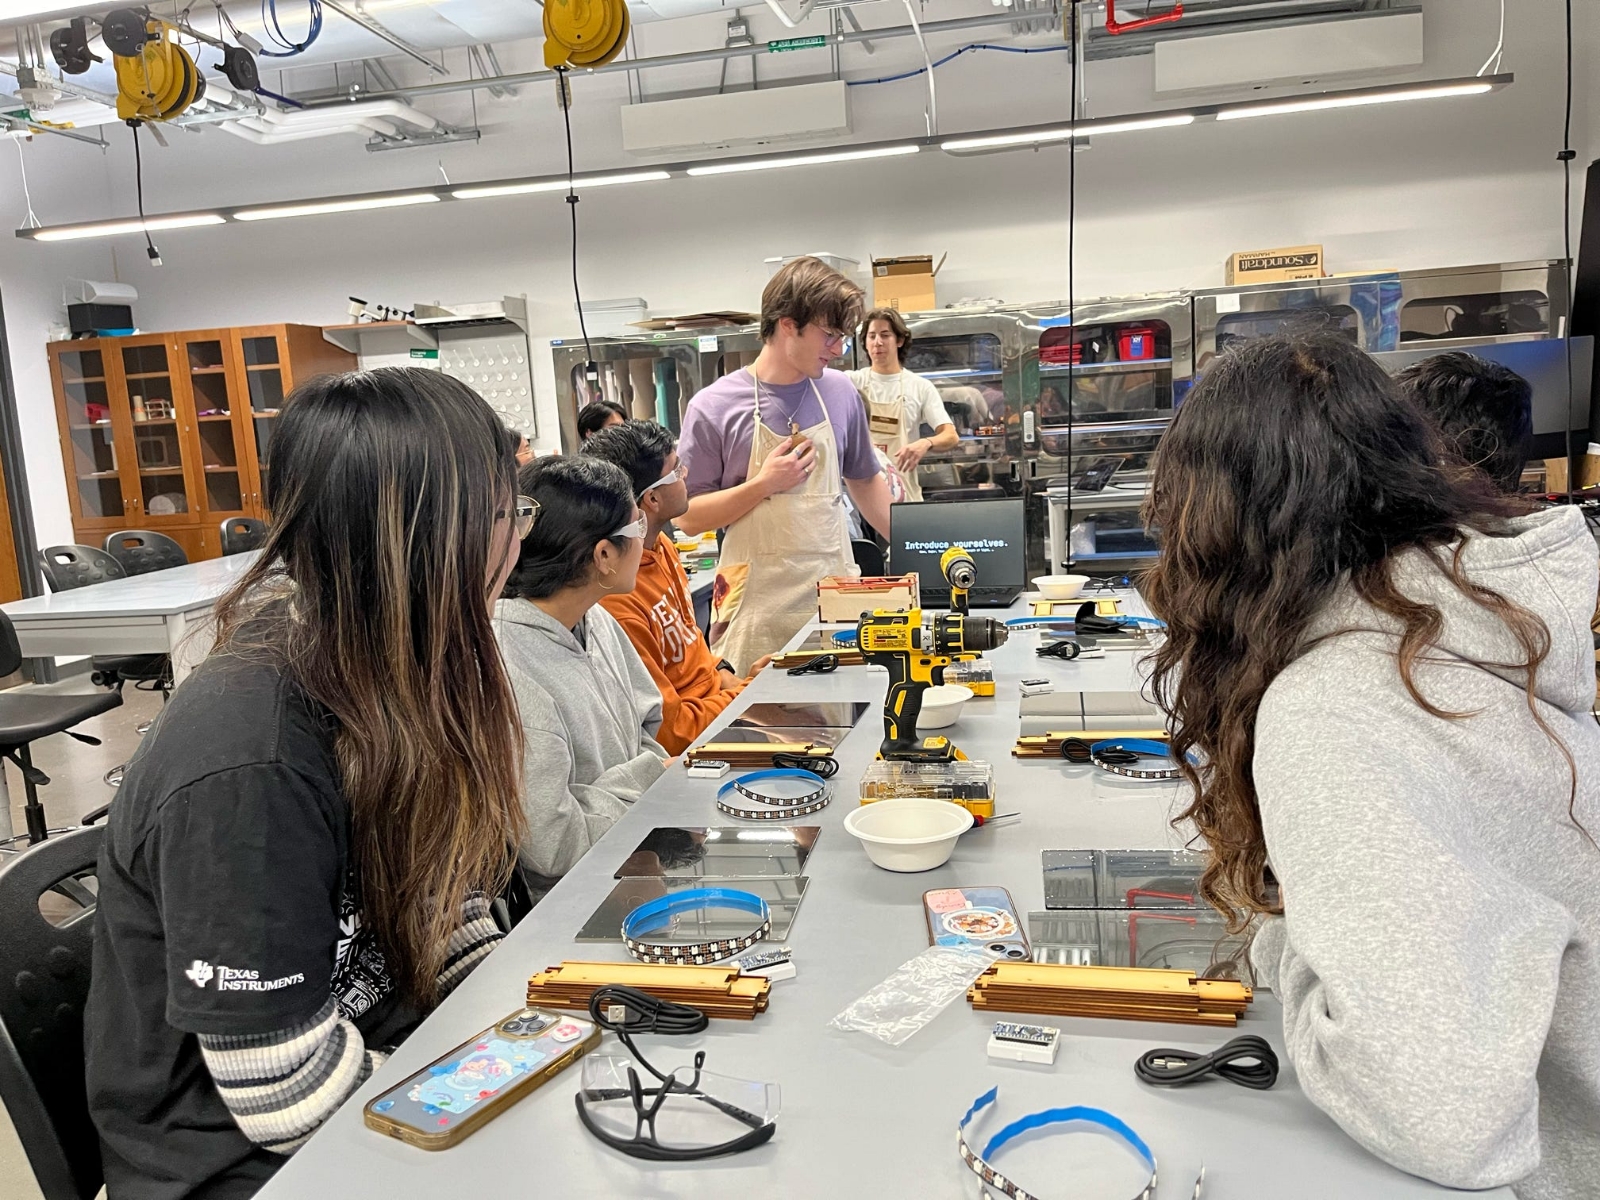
(76, 787)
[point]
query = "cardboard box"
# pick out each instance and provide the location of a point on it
(1274, 266)
(905, 284)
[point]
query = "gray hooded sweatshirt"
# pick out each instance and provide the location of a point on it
(1437, 960)
(589, 715)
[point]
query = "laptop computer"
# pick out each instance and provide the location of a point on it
(990, 530)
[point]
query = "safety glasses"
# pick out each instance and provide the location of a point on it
(687, 1115)
(672, 476)
(637, 530)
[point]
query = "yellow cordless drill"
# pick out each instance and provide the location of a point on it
(916, 655)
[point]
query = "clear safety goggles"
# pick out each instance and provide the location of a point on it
(677, 473)
(637, 530)
(685, 1115)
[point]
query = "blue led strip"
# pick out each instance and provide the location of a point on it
(770, 808)
(655, 913)
(994, 1183)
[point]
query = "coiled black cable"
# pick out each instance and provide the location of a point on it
(1247, 1060)
(824, 765)
(1068, 650)
(641, 1013)
(821, 664)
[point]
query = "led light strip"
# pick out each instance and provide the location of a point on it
(998, 139)
(764, 812)
(651, 916)
(996, 1184)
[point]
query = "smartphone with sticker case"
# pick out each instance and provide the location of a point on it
(975, 916)
(481, 1078)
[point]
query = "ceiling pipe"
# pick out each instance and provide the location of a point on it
(844, 37)
(805, 11)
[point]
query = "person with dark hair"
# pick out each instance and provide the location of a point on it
(899, 403)
(525, 452)
(1379, 678)
(1484, 410)
(589, 708)
(771, 450)
(658, 614)
(298, 862)
(598, 415)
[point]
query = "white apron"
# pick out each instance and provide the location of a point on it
(772, 557)
(887, 421)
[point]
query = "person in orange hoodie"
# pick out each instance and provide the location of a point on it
(658, 614)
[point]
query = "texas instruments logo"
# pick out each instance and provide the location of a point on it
(237, 979)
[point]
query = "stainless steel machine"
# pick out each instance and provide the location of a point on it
(972, 358)
(1099, 386)
(652, 376)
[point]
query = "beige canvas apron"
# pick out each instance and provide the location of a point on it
(772, 557)
(887, 421)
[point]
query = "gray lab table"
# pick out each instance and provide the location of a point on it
(859, 1118)
(162, 612)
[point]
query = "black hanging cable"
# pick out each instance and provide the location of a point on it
(1247, 1060)
(138, 188)
(1072, 228)
(590, 369)
(1566, 156)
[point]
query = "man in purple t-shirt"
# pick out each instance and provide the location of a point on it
(776, 482)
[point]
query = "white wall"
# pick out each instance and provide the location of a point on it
(1419, 185)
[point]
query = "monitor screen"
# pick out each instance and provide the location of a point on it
(990, 530)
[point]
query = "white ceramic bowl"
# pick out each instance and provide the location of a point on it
(941, 706)
(909, 835)
(1060, 587)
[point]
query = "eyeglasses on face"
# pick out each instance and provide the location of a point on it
(524, 512)
(636, 530)
(678, 472)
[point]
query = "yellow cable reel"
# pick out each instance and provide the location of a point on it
(584, 33)
(158, 82)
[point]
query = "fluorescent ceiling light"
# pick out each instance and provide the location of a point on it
(334, 206)
(556, 185)
(801, 160)
(68, 233)
(1386, 96)
(1062, 133)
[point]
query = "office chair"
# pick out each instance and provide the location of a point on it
(140, 551)
(30, 713)
(68, 567)
(243, 533)
(869, 556)
(44, 985)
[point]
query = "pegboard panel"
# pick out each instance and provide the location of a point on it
(495, 364)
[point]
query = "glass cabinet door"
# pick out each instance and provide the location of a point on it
(264, 377)
(94, 470)
(158, 444)
(224, 465)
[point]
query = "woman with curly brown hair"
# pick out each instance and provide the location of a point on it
(1380, 679)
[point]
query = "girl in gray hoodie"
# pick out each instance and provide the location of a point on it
(1382, 669)
(589, 707)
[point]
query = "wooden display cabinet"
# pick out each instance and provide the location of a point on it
(170, 431)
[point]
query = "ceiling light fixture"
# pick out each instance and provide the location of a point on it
(69, 233)
(733, 166)
(318, 208)
(1060, 133)
(1386, 95)
(979, 140)
(529, 186)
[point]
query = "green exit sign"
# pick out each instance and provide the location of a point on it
(802, 43)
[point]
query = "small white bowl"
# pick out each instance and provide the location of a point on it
(941, 706)
(909, 834)
(1060, 587)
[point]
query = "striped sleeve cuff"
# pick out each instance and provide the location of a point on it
(280, 1087)
(470, 944)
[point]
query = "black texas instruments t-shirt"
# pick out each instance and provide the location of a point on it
(226, 906)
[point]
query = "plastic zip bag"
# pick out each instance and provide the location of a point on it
(915, 994)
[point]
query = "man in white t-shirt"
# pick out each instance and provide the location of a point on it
(900, 403)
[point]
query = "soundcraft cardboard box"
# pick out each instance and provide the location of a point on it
(1274, 266)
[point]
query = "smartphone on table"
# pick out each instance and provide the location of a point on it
(481, 1078)
(975, 916)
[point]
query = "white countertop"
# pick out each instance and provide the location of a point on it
(156, 594)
